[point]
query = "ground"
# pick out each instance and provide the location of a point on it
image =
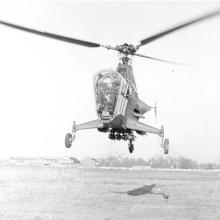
(41, 193)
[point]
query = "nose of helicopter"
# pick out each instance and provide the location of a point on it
(105, 116)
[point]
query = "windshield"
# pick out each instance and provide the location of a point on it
(107, 90)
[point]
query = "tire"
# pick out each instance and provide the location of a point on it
(68, 140)
(131, 148)
(166, 146)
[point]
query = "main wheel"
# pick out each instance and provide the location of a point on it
(166, 146)
(68, 140)
(131, 148)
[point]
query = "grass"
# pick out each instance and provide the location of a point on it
(68, 193)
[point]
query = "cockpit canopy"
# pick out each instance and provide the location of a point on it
(109, 85)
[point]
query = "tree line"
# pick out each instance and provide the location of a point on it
(156, 162)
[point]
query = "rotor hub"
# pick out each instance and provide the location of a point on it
(126, 49)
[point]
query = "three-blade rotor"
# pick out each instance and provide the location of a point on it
(125, 49)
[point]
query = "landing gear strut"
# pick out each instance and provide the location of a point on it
(165, 142)
(70, 137)
(131, 138)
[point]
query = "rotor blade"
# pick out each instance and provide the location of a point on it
(53, 36)
(180, 26)
(155, 110)
(161, 60)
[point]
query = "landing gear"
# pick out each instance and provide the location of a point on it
(131, 138)
(131, 148)
(125, 135)
(165, 145)
(70, 137)
(68, 140)
(165, 142)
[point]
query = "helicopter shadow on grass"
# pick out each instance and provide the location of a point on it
(146, 189)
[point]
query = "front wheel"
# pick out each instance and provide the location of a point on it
(68, 140)
(131, 148)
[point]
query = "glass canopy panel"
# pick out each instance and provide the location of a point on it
(107, 90)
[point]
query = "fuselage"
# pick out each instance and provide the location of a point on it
(116, 96)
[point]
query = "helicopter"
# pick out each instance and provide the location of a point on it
(118, 106)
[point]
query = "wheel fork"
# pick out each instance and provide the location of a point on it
(74, 130)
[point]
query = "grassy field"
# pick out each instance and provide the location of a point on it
(69, 193)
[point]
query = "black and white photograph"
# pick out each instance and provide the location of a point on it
(109, 110)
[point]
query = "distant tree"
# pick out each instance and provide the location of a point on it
(217, 166)
(110, 161)
(114, 161)
(172, 162)
(127, 162)
(186, 163)
(159, 162)
(206, 166)
(139, 162)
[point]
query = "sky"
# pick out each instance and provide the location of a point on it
(45, 84)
